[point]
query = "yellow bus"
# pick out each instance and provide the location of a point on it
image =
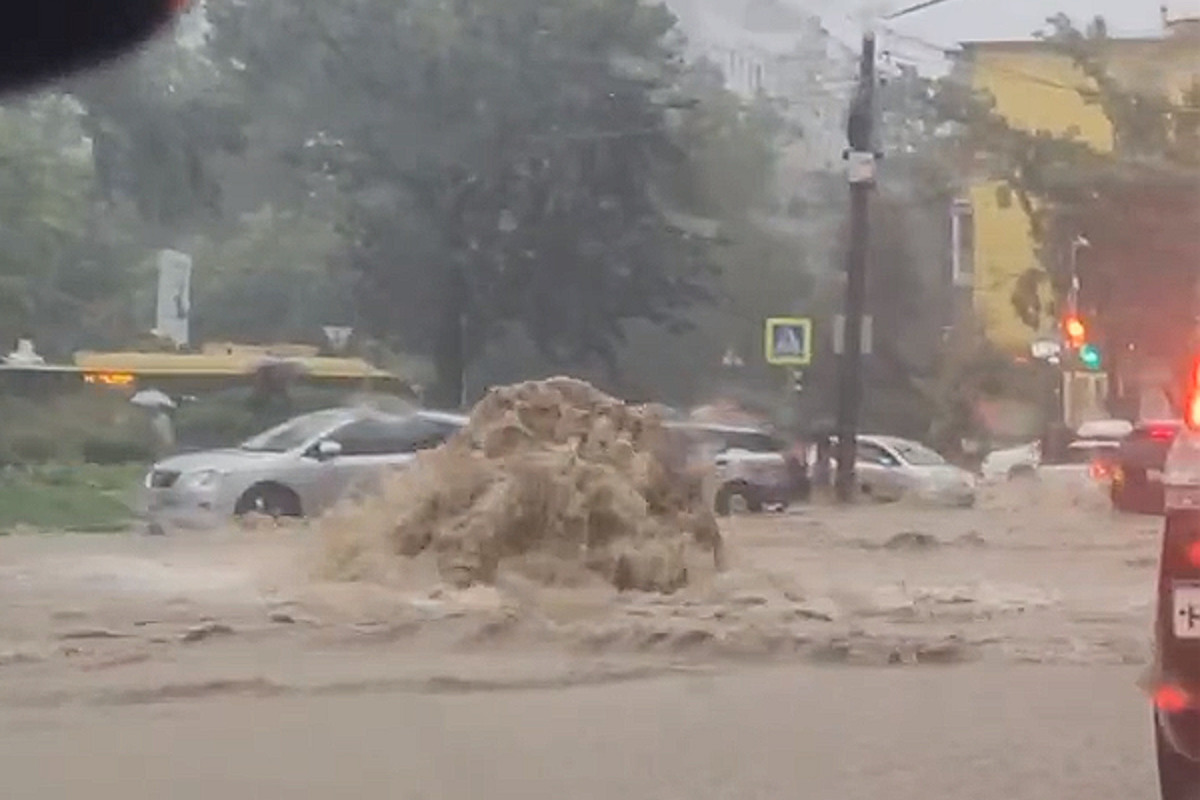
(216, 366)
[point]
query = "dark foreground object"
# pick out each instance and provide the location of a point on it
(45, 39)
(1177, 658)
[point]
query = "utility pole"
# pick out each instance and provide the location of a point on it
(861, 157)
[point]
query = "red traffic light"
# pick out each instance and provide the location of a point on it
(1075, 330)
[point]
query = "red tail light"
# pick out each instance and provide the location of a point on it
(1191, 404)
(1171, 699)
(1099, 470)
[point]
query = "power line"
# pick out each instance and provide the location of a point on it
(1010, 71)
(921, 6)
(946, 51)
(1032, 78)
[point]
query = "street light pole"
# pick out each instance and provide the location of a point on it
(861, 156)
(1065, 373)
(1077, 244)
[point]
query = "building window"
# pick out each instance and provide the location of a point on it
(962, 243)
(1004, 196)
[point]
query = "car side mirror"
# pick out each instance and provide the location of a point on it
(327, 449)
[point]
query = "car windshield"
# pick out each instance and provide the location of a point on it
(751, 441)
(293, 433)
(918, 454)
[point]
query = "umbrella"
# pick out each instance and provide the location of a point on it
(152, 399)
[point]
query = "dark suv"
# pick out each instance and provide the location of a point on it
(1176, 678)
(1136, 474)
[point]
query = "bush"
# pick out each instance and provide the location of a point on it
(32, 448)
(116, 451)
(207, 424)
(55, 428)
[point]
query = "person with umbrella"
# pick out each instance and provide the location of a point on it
(159, 406)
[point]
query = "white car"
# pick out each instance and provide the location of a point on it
(1004, 464)
(889, 468)
(299, 468)
(1094, 441)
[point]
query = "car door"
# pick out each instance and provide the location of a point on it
(370, 447)
(879, 471)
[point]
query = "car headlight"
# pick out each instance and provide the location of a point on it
(204, 479)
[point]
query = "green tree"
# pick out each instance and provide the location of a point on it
(160, 122)
(272, 281)
(50, 272)
(499, 161)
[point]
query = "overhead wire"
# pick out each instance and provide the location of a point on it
(915, 7)
(1012, 72)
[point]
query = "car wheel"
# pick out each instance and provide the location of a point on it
(1118, 494)
(1178, 775)
(737, 498)
(1135, 488)
(1157, 502)
(872, 494)
(270, 500)
(1022, 471)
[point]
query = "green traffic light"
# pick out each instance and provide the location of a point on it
(1089, 356)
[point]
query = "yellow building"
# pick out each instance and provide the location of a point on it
(1036, 88)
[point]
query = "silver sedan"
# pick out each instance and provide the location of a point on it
(299, 468)
(889, 468)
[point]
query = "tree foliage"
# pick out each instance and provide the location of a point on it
(47, 271)
(272, 281)
(500, 162)
(158, 123)
(440, 174)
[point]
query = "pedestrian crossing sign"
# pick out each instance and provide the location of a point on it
(789, 341)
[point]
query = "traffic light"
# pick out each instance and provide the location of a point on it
(1089, 356)
(1075, 336)
(1075, 331)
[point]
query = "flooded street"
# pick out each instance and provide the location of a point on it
(405, 399)
(1038, 733)
(878, 651)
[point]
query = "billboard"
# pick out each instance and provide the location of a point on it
(174, 296)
